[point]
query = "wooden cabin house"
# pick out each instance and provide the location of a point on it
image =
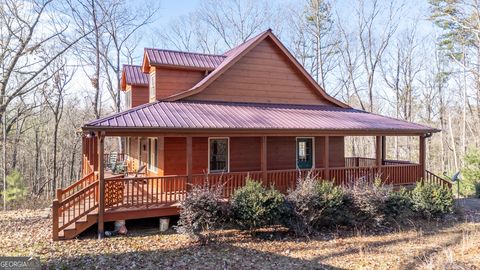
(193, 117)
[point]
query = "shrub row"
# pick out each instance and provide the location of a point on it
(312, 205)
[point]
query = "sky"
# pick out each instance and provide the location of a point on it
(171, 9)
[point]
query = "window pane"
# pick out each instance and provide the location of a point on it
(302, 150)
(218, 154)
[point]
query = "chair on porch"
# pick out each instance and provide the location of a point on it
(141, 171)
(112, 160)
(120, 167)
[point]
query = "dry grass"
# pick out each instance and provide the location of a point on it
(448, 245)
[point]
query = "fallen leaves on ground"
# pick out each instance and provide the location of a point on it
(428, 246)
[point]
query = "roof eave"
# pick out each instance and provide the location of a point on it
(257, 131)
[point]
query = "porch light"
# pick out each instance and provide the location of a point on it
(91, 134)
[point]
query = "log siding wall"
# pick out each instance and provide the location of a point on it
(245, 154)
(173, 81)
(263, 75)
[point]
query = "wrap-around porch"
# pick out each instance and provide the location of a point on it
(157, 193)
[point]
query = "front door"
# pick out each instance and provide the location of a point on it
(304, 153)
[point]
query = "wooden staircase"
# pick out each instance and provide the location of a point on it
(76, 208)
(79, 226)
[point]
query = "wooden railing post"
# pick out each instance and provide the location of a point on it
(59, 194)
(55, 215)
(326, 158)
(101, 185)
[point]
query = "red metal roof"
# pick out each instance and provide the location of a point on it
(134, 75)
(159, 57)
(250, 116)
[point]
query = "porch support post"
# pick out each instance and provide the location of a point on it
(422, 155)
(384, 149)
(326, 158)
(101, 184)
(378, 154)
(189, 162)
(161, 155)
(263, 159)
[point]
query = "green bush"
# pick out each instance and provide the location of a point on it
(367, 202)
(398, 205)
(254, 206)
(470, 173)
(310, 202)
(201, 211)
(16, 190)
(432, 200)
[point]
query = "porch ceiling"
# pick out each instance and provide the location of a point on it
(194, 117)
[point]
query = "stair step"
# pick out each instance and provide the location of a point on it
(80, 225)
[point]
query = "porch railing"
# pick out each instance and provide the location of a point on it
(433, 178)
(125, 192)
(371, 162)
(75, 187)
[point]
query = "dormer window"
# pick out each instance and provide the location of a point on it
(152, 86)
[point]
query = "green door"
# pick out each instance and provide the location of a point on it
(304, 153)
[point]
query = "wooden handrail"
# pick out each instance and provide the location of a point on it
(89, 178)
(435, 179)
(70, 209)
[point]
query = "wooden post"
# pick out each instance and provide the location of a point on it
(378, 155)
(263, 159)
(422, 155)
(101, 185)
(384, 149)
(59, 194)
(55, 208)
(161, 156)
(326, 158)
(189, 162)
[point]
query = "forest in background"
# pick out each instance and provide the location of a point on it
(61, 61)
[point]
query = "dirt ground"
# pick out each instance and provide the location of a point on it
(453, 244)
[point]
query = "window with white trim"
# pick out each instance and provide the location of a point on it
(128, 99)
(152, 154)
(218, 155)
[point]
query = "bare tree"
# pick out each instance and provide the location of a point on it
(54, 95)
(22, 42)
(121, 24)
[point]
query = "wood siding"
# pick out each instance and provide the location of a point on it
(337, 151)
(263, 75)
(139, 94)
(199, 155)
(175, 155)
(173, 81)
(175, 150)
(245, 154)
(281, 153)
(319, 147)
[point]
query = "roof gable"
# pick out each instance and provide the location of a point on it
(181, 60)
(133, 75)
(237, 53)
